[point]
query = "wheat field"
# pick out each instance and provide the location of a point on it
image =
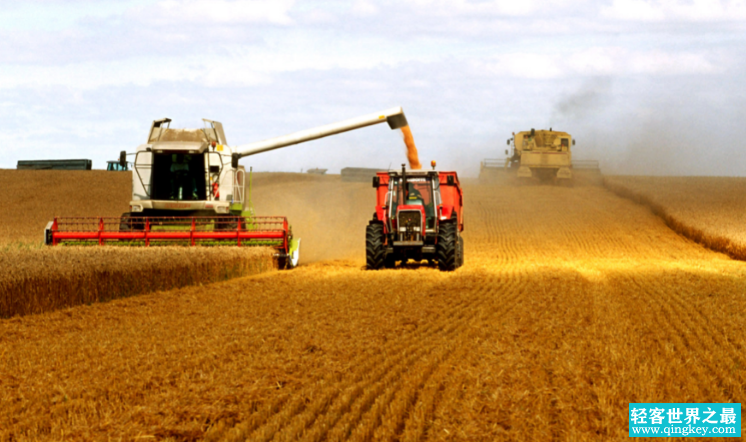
(572, 303)
(709, 210)
(31, 198)
(49, 278)
(35, 278)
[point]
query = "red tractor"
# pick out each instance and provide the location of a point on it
(419, 215)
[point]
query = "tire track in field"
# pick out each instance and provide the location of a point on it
(365, 413)
(664, 329)
(440, 392)
(398, 416)
(365, 423)
(425, 411)
(370, 369)
(291, 418)
(692, 336)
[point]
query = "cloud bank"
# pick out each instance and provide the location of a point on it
(85, 79)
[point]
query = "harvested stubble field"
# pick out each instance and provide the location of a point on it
(572, 303)
(709, 210)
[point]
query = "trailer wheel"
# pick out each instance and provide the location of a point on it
(375, 250)
(447, 248)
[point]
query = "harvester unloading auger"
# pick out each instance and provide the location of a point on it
(188, 188)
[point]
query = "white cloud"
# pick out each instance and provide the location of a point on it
(675, 10)
(595, 61)
(494, 7)
(365, 8)
(216, 12)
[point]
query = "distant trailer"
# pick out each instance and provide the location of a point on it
(360, 174)
(55, 165)
(317, 171)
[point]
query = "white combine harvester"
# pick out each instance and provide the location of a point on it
(187, 187)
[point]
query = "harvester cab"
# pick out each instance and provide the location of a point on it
(186, 172)
(418, 216)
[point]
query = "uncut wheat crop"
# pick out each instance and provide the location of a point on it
(572, 303)
(35, 197)
(35, 278)
(709, 210)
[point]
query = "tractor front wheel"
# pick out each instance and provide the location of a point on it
(446, 250)
(375, 249)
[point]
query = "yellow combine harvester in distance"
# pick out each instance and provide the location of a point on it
(544, 154)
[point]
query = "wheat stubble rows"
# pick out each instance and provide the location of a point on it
(572, 303)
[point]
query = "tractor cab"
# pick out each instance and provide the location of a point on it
(419, 194)
(413, 198)
(117, 166)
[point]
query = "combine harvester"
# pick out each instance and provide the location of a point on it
(419, 215)
(544, 154)
(188, 189)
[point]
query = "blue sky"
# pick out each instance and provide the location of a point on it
(652, 87)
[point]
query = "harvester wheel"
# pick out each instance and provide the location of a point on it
(375, 249)
(447, 248)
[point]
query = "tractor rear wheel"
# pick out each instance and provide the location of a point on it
(375, 249)
(446, 250)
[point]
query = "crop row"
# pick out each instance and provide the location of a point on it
(41, 280)
(708, 210)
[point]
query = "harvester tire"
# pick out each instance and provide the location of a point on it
(375, 249)
(446, 251)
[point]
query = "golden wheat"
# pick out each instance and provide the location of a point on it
(32, 198)
(708, 210)
(45, 279)
(35, 278)
(572, 303)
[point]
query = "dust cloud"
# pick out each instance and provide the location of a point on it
(646, 126)
(327, 214)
